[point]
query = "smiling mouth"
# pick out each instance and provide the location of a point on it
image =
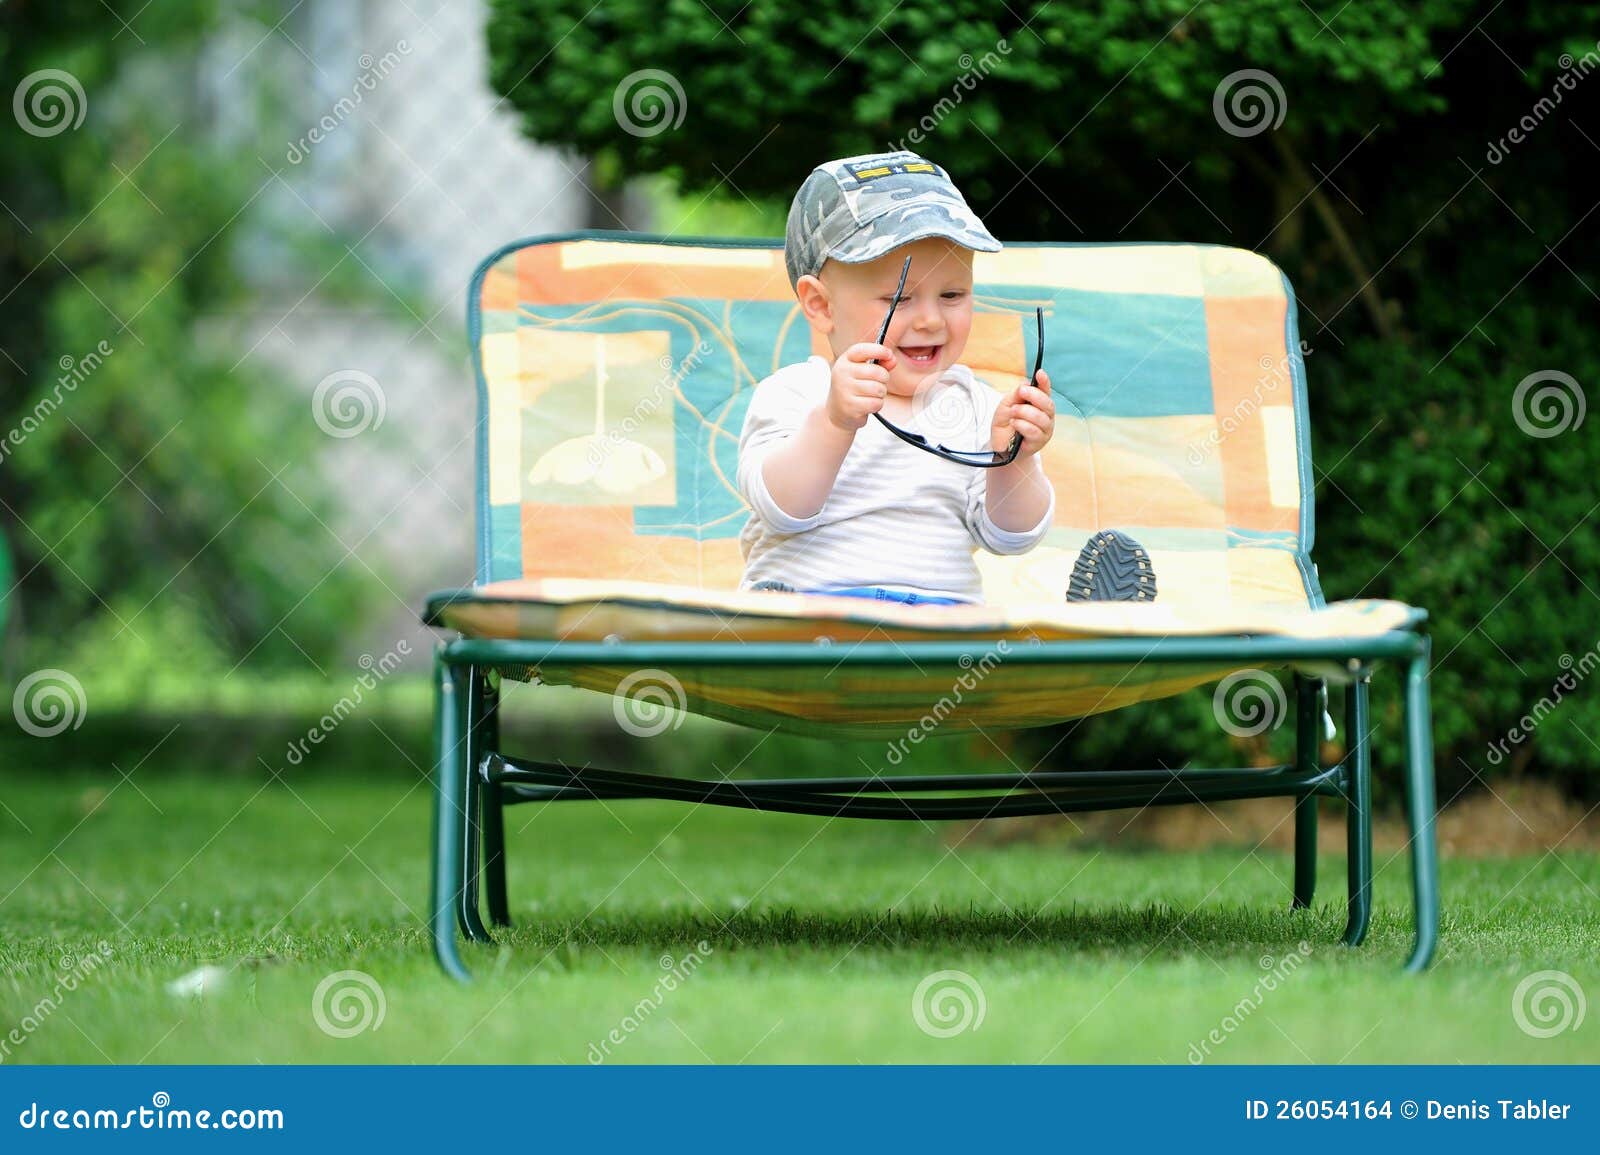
(920, 354)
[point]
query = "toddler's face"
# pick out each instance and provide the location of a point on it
(931, 323)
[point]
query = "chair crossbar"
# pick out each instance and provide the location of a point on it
(1058, 792)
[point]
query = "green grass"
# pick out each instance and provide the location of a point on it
(818, 935)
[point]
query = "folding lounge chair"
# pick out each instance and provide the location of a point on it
(613, 373)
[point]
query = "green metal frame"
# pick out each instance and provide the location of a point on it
(474, 780)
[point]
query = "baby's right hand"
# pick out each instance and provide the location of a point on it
(859, 385)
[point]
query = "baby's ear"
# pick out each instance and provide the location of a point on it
(815, 303)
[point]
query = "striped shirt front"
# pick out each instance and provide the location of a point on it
(897, 517)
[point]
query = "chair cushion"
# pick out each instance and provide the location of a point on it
(576, 609)
(614, 373)
(851, 701)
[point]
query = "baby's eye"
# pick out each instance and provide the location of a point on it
(954, 294)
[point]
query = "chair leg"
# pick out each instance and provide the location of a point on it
(448, 826)
(1358, 812)
(494, 823)
(1307, 737)
(472, 809)
(1420, 808)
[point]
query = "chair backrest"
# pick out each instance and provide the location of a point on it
(614, 370)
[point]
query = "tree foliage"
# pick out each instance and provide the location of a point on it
(143, 479)
(1438, 260)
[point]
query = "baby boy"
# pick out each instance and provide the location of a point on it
(841, 505)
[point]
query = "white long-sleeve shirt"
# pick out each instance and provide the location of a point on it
(897, 517)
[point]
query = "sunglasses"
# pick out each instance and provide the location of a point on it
(977, 458)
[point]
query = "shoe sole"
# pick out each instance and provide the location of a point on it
(1112, 567)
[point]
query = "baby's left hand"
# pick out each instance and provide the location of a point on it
(1028, 410)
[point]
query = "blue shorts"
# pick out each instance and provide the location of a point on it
(884, 595)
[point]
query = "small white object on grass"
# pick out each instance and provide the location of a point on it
(198, 983)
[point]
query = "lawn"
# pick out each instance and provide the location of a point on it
(788, 939)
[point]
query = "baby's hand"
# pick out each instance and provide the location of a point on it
(859, 386)
(1028, 410)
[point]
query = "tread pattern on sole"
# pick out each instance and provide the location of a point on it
(1112, 567)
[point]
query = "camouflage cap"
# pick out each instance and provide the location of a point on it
(861, 207)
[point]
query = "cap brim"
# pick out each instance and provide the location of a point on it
(981, 242)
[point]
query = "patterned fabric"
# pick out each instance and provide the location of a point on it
(858, 208)
(614, 374)
(616, 371)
